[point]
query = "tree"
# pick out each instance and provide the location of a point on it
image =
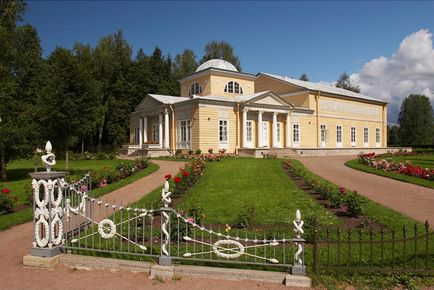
(416, 121)
(392, 135)
(304, 77)
(344, 82)
(67, 102)
(221, 50)
(185, 64)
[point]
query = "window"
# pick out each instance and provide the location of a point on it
(184, 134)
(233, 88)
(353, 136)
(136, 135)
(338, 134)
(223, 131)
(296, 133)
(155, 133)
(377, 135)
(195, 89)
(249, 130)
(365, 135)
(278, 132)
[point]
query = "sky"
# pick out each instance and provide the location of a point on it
(386, 47)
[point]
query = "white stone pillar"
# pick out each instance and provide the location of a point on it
(245, 128)
(260, 143)
(145, 129)
(288, 131)
(275, 145)
(140, 131)
(160, 130)
(166, 129)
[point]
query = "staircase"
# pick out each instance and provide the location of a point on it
(283, 152)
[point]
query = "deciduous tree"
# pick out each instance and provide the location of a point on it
(344, 82)
(221, 50)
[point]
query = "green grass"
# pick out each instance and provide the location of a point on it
(424, 161)
(231, 183)
(355, 164)
(20, 184)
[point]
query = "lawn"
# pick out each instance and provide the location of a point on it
(424, 161)
(19, 182)
(416, 160)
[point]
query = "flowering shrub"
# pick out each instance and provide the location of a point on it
(348, 202)
(188, 176)
(375, 161)
(269, 155)
(122, 169)
(194, 214)
(6, 201)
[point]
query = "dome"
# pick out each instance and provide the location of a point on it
(217, 63)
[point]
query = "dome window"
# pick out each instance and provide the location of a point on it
(233, 88)
(195, 89)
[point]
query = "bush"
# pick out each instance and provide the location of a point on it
(198, 152)
(190, 152)
(354, 203)
(178, 152)
(6, 201)
(245, 216)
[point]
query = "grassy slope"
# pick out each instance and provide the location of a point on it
(424, 161)
(355, 164)
(229, 184)
(18, 187)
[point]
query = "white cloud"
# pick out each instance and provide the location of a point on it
(409, 70)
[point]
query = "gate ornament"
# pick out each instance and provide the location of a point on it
(49, 159)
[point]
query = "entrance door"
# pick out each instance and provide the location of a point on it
(323, 135)
(265, 135)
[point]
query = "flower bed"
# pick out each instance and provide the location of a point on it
(210, 156)
(386, 164)
(7, 202)
(121, 170)
(188, 176)
(348, 202)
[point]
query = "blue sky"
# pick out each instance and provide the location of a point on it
(322, 39)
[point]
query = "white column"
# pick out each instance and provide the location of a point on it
(160, 129)
(288, 130)
(275, 130)
(140, 131)
(145, 129)
(245, 128)
(166, 129)
(260, 144)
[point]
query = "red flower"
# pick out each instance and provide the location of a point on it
(177, 179)
(342, 190)
(168, 176)
(6, 190)
(185, 173)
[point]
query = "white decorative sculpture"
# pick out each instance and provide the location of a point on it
(298, 229)
(165, 194)
(49, 159)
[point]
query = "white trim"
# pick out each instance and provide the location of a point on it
(166, 130)
(288, 131)
(295, 93)
(323, 143)
(265, 141)
(365, 144)
(180, 144)
(145, 129)
(217, 106)
(257, 109)
(279, 134)
(296, 143)
(140, 131)
(349, 118)
(223, 144)
(353, 144)
(378, 144)
(249, 143)
(259, 129)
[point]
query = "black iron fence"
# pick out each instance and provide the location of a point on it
(381, 250)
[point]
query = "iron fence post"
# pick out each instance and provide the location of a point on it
(299, 267)
(165, 259)
(315, 249)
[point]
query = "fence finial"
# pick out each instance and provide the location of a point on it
(49, 159)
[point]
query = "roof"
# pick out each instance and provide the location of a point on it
(322, 87)
(234, 99)
(168, 100)
(217, 63)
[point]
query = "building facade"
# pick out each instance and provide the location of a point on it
(221, 108)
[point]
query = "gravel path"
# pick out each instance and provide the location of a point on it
(411, 200)
(16, 242)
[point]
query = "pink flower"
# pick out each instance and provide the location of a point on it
(190, 220)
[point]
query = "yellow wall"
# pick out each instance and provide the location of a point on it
(264, 83)
(204, 82)
(218, 83)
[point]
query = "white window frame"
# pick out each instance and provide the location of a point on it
(195, 89)
(279, 135)
(296, 137)
(265, 137)
(339, 140)
(377, 137)
(249, 133)
(353, 140)
(365, 137)
(184, 124)
(223, 144)
(156, 133)
(233, 87)
(323, 144)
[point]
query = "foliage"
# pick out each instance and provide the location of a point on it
(188, 176)
(416, 121)
(354, 204)
(198, 152)
(304, 77)
(393, 135)
(344, 82)
(185, 64)
(221, 50)
(245, 216)
(6, 201)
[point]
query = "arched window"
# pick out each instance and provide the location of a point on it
(195, 89)
(233, 88)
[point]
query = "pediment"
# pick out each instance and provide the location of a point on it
(270, 99)
(148, 102)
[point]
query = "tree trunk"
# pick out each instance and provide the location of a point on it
(82, 145)
(100, 134)
(66, 158)
(3, 168)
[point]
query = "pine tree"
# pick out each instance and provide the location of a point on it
(185, 64)
(221, 50)
(344, 82)
(304, 77)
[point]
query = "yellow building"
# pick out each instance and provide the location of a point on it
(222, 108)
